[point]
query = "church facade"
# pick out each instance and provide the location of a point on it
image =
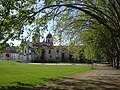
(44, 51)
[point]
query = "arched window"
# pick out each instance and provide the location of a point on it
(49, 51)
(8, 55)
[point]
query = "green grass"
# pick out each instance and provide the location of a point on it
(17, 75)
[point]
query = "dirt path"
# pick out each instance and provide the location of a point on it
(102, 78)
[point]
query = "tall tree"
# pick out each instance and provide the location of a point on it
(104, 12)
(14, 15)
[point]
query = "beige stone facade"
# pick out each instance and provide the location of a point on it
(9, 53)
(48, 52)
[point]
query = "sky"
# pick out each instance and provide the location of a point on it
(15, 42)
(18, 42)
(50, 27)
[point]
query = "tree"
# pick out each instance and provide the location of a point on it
(104, 12)
(94, 44)
(14, 15)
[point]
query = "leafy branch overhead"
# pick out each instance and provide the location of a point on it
(93, 23)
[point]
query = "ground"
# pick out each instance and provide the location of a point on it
(102, 78)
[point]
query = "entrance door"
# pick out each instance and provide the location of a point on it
(63, 57)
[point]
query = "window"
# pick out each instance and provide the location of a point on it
(50, 56)
(25, 51)
(49, 51)
(43, 51)
(57, 51)
(8, 55)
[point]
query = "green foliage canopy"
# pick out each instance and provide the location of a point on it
(101, 17)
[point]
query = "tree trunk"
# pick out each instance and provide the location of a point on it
(117, 61)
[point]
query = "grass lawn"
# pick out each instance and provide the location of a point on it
(18, 76)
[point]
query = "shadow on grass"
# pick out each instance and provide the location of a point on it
(73, 84)
(102, 83)
(19, 86)
(47, 79)
(25, 86)
(108, 81)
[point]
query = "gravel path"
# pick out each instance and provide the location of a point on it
(102, 78)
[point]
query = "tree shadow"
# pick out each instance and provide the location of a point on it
(18, 86)
(25, 86)
(84, 84)
(107, 81)
(48, 79)
(101, 83)
(104, 81)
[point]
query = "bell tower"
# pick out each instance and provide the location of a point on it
(49, 39)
